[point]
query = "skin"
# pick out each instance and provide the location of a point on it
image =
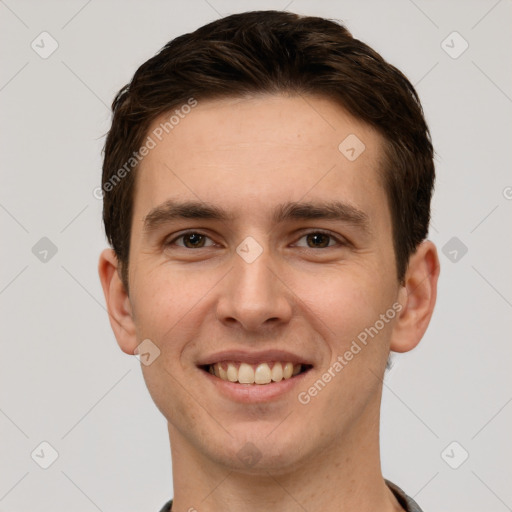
(247, 156)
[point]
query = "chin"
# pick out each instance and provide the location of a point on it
(258, 450)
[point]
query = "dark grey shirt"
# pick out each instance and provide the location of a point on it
(407, 503)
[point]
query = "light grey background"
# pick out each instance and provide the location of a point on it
(63, 378)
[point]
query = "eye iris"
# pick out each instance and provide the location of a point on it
(318, 240)
(193, 240)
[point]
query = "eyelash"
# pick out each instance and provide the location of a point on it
(313, 232)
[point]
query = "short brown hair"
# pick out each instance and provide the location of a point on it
(276, 52)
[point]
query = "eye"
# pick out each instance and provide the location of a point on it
(191, 240)
(319, 240)
(312, 240)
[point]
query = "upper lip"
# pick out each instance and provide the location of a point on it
(253, 357)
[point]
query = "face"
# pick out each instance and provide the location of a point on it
(256, 240)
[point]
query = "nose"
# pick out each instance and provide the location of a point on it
(253, 296)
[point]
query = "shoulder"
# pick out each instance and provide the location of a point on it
(167, 507)
(405, 501)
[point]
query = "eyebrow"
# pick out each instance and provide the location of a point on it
(333, 210)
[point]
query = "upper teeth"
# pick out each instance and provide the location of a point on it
(251, 374)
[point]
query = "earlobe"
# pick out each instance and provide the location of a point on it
(418, 298)
(117, 301)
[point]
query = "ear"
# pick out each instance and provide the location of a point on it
(417, 297)
(118, 302)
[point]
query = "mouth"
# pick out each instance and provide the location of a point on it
(255, 374)
(254, 377)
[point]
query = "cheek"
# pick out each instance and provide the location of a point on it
(167, 391)
(343, 305)
(172, 308)
(341, 297)
(162, 296)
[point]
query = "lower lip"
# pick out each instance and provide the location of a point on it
(254, 393)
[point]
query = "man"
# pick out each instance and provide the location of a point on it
(267, 183)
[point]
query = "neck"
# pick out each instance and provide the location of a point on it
(344, 476)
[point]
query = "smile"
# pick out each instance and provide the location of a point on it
(250, 377)
(255, 374)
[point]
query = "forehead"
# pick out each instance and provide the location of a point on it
(257, 150)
